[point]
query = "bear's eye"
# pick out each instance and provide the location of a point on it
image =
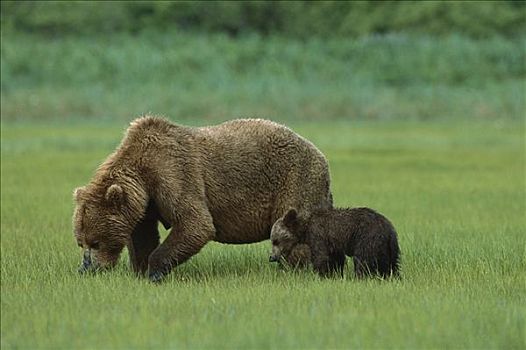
(95, 245)
(275, 242)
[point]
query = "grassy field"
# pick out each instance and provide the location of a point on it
(455, 191)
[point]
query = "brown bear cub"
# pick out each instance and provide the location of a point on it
(331, 234)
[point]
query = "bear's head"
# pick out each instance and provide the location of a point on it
(102, 223)
(285, 235)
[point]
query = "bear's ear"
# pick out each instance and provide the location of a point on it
(78, 193)
(115, 194)
(290, 218)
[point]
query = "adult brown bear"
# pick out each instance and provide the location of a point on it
(228, 183)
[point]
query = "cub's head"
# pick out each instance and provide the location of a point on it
(101, 224)
(285, 235)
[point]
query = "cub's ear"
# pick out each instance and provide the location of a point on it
(115, 194)
(290, 218)
(78, 193)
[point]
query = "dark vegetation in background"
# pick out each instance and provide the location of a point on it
(283, 60)
(297, 19)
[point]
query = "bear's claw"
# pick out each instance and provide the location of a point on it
(156, 276)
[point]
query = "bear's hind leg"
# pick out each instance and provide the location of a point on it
(364, 267)
(383, 266)
(337, 264)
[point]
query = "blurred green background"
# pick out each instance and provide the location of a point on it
(281, 60)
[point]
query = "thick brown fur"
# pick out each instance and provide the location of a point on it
(228, 183)
(299, 256)
(331, 234)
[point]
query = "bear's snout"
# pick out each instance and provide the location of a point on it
(87, 263)
(273, 258)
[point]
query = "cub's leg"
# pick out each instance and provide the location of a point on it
(337, 263)
(299, 257)
(321, 260)
(365, 266)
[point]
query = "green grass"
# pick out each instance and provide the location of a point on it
(455, 191)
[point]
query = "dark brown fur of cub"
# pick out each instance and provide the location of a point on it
(331, 234)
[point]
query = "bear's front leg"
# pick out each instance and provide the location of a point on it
(299, 256)
(321, 260)
(144, 239)
(184, 240)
